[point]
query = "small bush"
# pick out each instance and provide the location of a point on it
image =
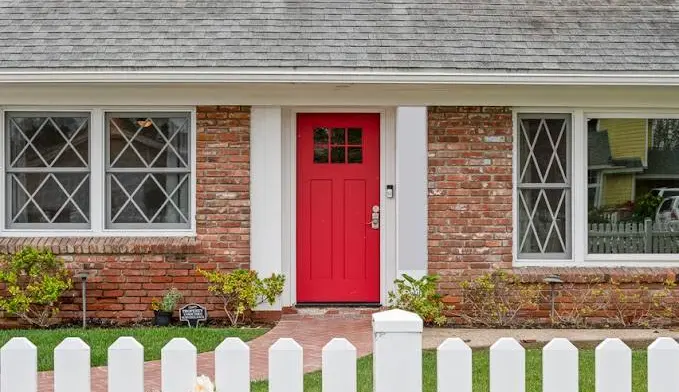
(34, 282)
(241, 290)
(169, 301)
(419, 296)
(496, 298)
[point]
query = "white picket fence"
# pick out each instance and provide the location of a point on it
(397, 365)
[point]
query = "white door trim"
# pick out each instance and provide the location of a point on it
(387, 206)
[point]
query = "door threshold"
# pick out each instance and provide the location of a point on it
(338, 305)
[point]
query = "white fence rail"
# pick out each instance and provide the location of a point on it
(396, 366)
(628, 237)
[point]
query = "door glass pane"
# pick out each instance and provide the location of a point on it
(355, 136)
(321, 155)
(337, 155)
(355, 155)
(338, 136)
(321, 136)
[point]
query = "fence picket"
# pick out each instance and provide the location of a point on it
(613, 366)
(232, 365)
(663, 362)
(454, 366)
(19, 366)
(339, 366)
(560, 366)
(126, 366)
(72, 366)
(507, 366)
(178, 366)
(286, 366)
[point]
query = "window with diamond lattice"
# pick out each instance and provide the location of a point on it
(544, 185)
(47, 170)
(148, 170)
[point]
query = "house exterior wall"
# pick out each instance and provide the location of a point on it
(130, 272)
(470, 216)
(617, 189)
(627, 137)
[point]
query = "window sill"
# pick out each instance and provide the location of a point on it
(104, 245)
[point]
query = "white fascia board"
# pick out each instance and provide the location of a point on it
(281, 76)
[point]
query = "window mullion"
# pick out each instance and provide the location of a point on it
(97, 163)
(580, 189)
(3, 181)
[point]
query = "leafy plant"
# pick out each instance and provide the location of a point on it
(242, 290)
(579, 303)
(169, 301)
(645, 207)
(419, 296)
(495, 299)
(34, 282)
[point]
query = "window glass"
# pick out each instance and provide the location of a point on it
(148, 171)
(544, 185)
(637, 160)
(47, 170)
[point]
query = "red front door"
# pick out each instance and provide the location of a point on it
(338, 188)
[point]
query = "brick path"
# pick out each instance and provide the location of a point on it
(310, 332)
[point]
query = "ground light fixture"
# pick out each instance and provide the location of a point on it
(83, 275)
(552, 281)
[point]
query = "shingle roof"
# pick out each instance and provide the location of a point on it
(407, 35)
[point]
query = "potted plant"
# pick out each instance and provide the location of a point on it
(162, 310)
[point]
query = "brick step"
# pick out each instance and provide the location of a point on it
(329, 312)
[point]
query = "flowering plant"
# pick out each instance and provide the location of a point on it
(155, 305)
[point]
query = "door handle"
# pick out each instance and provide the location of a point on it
(375, 218)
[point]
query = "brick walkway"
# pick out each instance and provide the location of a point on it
(310, 332)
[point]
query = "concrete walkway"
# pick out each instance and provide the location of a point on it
(311, 333)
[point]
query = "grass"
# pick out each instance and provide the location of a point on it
(99, 339)
(312, 381)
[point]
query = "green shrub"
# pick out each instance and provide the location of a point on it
(241, 290)
(419, 296)
(34, 282)
(645, 207)
(169, 301)
(495, 299)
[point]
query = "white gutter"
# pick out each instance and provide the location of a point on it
(250, 76)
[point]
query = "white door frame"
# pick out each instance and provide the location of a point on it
(387, 205)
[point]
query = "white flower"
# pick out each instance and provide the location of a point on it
(203, 384)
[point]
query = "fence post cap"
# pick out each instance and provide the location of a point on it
(664, 343)
(19, 343)
(72, 344)
(126, 343)
(396, 320)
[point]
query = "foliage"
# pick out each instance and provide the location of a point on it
(495, 299)
(579, 303)
(597, 215)
(419, 296)
(645, 207)
(34, 282)
(169, 301)
(241, 290)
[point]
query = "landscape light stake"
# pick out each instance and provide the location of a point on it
(83, 275)
(552, 280)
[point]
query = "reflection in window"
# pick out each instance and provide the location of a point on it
(633, 184)
(338, 145)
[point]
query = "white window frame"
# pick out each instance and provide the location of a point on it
(579, 199)
(98, 197)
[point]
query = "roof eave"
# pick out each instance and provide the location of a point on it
(337, 77)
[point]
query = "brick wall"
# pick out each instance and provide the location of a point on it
(470, 212)
(470, 191)
(129, 272)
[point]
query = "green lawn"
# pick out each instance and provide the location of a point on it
(312, 381)
(153, 339)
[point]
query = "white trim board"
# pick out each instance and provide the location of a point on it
(387, 206)
(252, 75)
(580, 256)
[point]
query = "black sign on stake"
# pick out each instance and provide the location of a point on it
(192, 314)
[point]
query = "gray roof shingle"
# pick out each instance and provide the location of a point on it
(406, 35)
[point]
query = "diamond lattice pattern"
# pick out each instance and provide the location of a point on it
(543, 185)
